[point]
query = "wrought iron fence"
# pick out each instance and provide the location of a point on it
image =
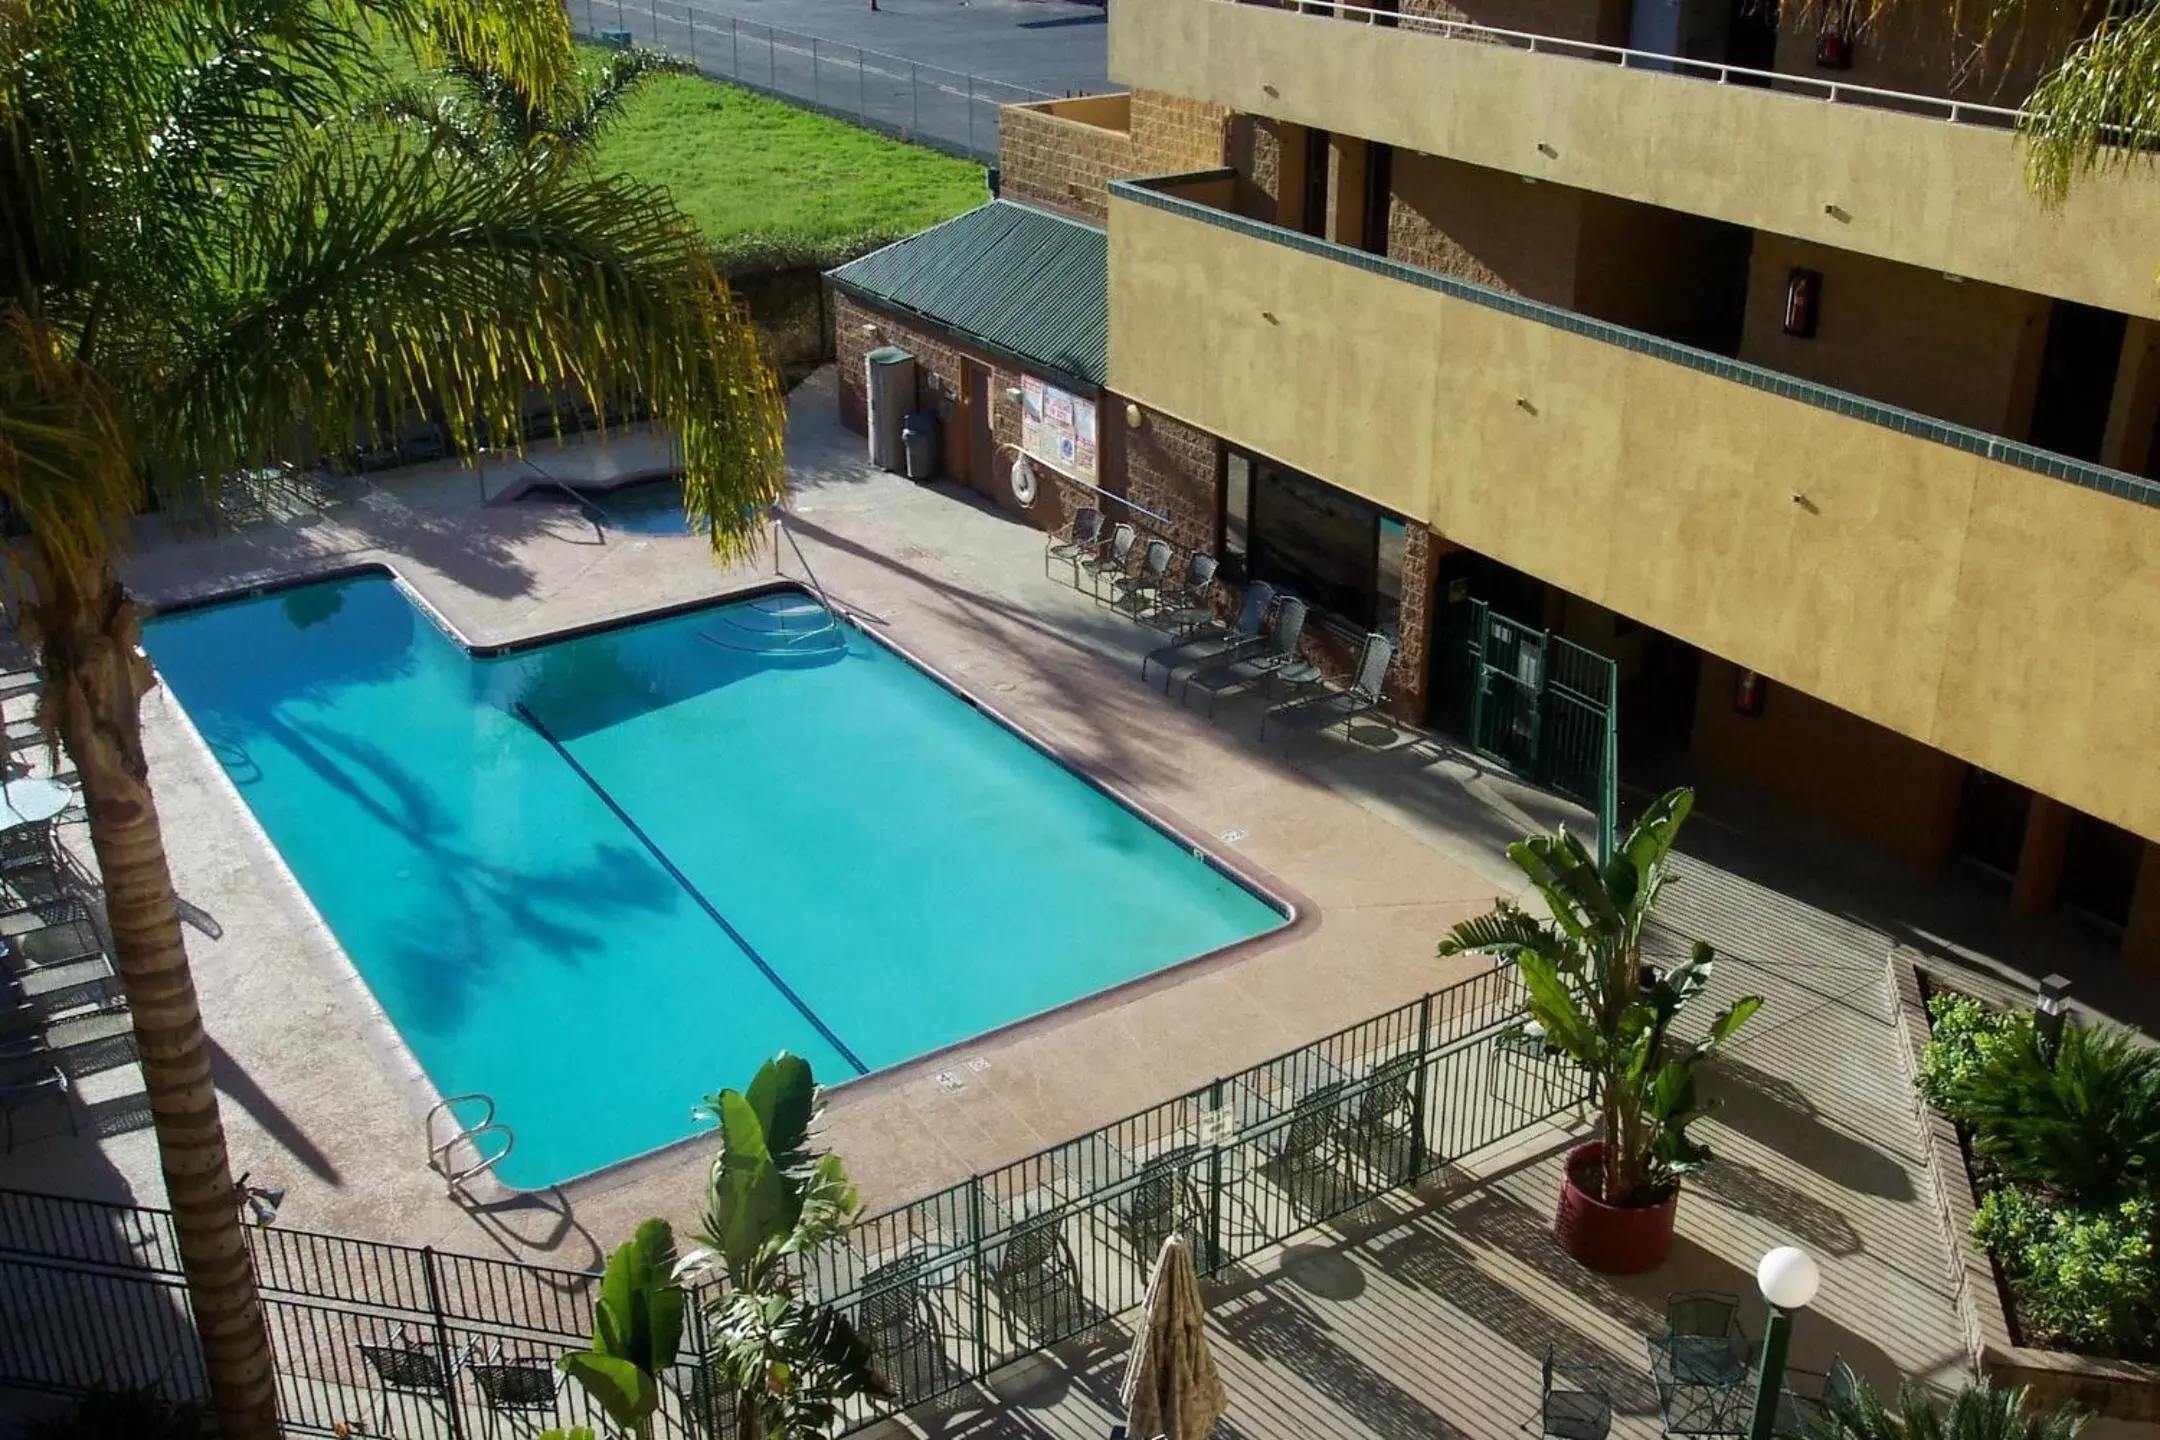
(949, 110)
(393, 1341)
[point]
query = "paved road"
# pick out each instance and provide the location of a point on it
(933, 70)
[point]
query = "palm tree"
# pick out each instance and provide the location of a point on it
(214, 257)
(1977, 1412)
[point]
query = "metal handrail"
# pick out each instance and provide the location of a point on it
(487, 1124)
(1832, 91)
(779, 520)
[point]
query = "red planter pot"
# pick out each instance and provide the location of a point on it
(1612, 1239)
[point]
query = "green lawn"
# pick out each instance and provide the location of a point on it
(767, 182)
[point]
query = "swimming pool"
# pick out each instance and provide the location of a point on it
(603, 877)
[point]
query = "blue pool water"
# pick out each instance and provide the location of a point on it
(602, 878)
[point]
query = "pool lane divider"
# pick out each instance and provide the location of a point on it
(689, 889)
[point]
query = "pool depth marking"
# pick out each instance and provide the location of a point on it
(689, 889)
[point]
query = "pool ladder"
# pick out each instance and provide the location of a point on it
(469, 1135)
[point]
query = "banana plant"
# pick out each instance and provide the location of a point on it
(1596, 1003)
(637, 1329)
(771, 1199)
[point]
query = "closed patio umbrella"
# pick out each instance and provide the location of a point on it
(1171, 1388)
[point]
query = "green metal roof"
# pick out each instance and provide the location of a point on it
(1020, 280)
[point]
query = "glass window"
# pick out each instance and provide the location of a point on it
(1387, 580)
(1316, 541)
(1237, 512)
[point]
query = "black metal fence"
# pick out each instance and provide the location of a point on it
(949, 110)
(389, 1340)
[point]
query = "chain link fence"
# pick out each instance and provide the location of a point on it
(948, 110)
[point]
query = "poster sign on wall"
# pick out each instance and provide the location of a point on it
(1057, 427)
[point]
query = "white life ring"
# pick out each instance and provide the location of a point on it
(1023, 482)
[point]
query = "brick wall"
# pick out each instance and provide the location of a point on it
(1485, 226)
(1061, 154)
(1255, 150)
(1413, 658)
(940, 379)
(1166, 466)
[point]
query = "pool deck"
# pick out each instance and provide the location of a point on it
(319, 1095)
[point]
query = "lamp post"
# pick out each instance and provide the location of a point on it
(1788, 1278)
(2049, 1013)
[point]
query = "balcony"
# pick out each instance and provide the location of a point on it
(1932, 183)
(1981, 596)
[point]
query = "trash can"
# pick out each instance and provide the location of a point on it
(889, 392)
(919, 437)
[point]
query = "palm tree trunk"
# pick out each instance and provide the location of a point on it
(95, 678)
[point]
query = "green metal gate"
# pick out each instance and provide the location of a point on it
(1548, 709)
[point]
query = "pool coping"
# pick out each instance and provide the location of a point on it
(388, 1042)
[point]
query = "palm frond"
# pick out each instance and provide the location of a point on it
(527, 41)
(378, 276)
(66, 467)
(581, 121)
(2098, 109)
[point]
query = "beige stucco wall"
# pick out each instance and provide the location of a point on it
(1998, 614)
(1939, 196)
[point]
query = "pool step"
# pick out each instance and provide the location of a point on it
(827, 643)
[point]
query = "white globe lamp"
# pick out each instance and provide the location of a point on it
(1789, 1279)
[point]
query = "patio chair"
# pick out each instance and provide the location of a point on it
(1134, 593)
(66, 934)
(708, 1405)
(894, 1319)
(1573, 1402)
(1037, 1279)
(1149, 1212)
(1253, 667)
(24, 847)
(1298, 1150)
(1381, 1118)
(1699, 1365)
(1110, 559)
(27, 1081)
(419, 439)
(520, 1387)
(1366, 692)
(1082, 540)
(410, 1369)
(1209, 640)
(1185, 606)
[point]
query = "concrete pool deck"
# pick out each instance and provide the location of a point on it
(321, 1099)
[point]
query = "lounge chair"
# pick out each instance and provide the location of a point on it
(26, 1080)
(1082, 541)
(67, 934)
(892, 1316)
(1366, 692)
(1249, 667)
(1215, 641)
(79, 1044)
(24, 847)
(1133, 593)
(1110, 559)
(1184, 607)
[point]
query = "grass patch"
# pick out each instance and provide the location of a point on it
(770, 184)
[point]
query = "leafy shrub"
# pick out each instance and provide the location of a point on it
(2081, 1118)
(1965, 1032)
(2085, 1276)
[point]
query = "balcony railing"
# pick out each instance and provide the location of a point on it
(1957, 112)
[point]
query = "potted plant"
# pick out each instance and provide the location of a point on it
(1592, 1001)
